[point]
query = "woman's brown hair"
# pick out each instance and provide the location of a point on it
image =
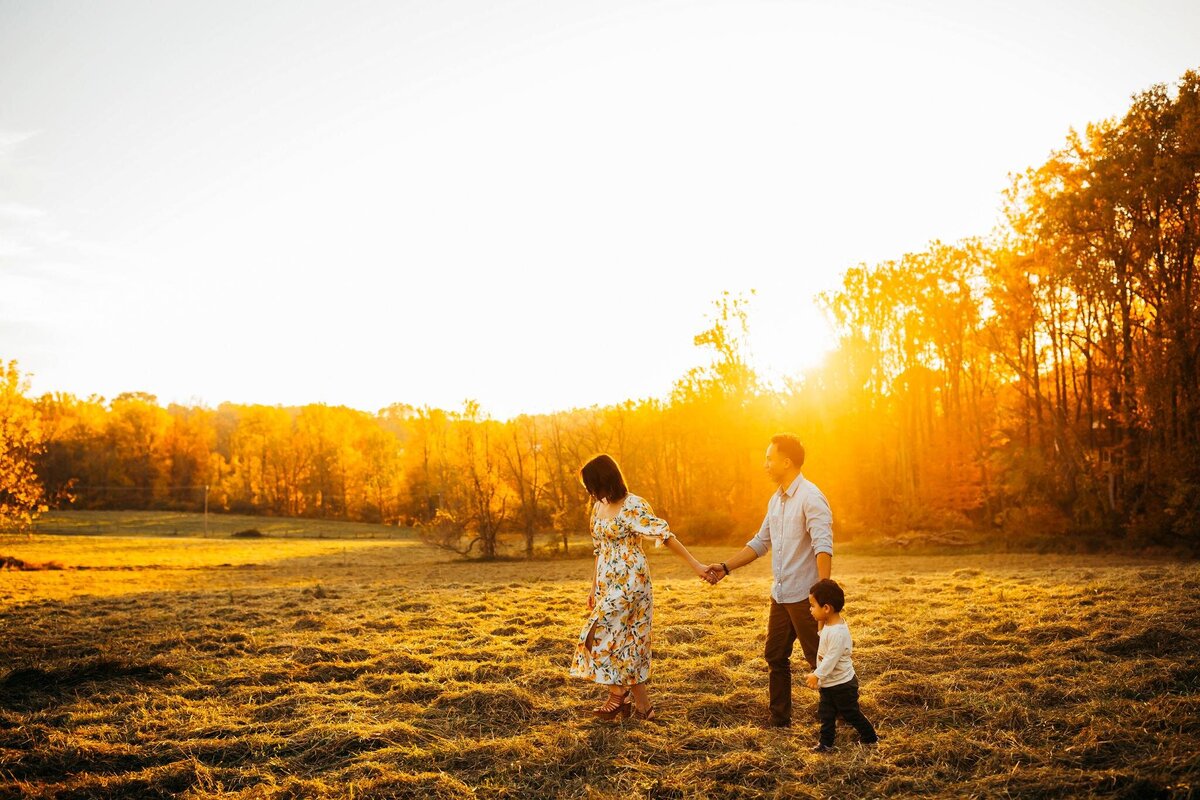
(603, 479)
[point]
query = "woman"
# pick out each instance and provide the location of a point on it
(614, 645)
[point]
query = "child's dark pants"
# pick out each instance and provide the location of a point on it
(843, 699)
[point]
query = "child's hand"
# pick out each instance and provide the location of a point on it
(811, 680)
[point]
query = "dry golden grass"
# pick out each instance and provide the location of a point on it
(325, 668)
(188, 523)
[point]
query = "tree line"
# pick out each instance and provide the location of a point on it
(1042, 377)
(1046, 375)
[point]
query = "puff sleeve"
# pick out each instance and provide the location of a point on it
(642, 521)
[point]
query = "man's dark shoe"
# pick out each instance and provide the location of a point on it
(822, 748)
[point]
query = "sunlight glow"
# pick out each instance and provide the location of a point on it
(530, 205)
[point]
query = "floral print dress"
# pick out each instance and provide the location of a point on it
(624, 606)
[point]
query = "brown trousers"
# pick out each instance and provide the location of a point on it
(787, 623)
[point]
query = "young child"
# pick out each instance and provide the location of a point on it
(834, 676)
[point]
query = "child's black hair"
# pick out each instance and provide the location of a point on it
(827, 593)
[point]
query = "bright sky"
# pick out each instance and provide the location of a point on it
(529, 204)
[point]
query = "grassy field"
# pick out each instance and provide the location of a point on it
(190, 523)
(304, 667)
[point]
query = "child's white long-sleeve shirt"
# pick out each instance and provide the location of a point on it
(834, 666)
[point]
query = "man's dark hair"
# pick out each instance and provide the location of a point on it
(602, 478)
(827, 593)
(789, 445)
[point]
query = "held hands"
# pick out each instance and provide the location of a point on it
(811, 680)
(713, 573)
(703, 571)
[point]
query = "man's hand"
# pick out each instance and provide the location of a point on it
(811, 680)
(714, 573)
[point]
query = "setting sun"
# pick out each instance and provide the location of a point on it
(426, 204)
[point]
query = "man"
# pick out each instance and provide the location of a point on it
(799, 527)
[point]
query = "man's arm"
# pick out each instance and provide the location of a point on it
(741, 558)
(761, 542)
(756, 547)
(819, 519)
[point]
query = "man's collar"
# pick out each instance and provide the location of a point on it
(793, 486)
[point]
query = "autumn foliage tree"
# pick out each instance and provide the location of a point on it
(1044, 378)
(22, 495)
(1048, 377)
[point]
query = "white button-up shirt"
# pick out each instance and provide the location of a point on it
(798, 525)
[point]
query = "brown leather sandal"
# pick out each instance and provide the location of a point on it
(616, 705)
(650, 714)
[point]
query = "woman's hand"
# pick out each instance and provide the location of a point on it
(701, 571)
(592, 599)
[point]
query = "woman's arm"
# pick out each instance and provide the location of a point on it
(595, 581)
(596, 564)
(678, 549)
(642, 519)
